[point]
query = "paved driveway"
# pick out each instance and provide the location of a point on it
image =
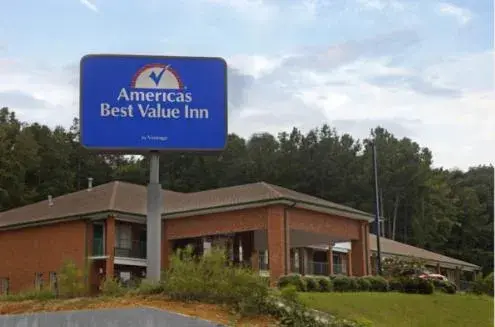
(145, 317)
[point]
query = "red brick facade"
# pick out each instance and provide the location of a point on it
(42, 249)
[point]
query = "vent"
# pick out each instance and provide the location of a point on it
(50, 200)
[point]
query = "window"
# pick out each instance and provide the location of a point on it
(53, 281)
(38, 281)
(4, 286)
(123, 238)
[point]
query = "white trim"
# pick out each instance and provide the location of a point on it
(129, 261)
(316, 208)
(337, 212)
(207, 211)
(130, 219)
(98, 257)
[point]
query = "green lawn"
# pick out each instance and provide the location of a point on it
(406, 310)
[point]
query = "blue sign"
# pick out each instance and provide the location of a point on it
(135, 104)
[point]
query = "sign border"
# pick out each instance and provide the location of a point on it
(131, 150)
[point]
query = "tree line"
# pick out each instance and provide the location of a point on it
(446, 211)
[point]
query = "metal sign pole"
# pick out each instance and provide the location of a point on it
(377, 212)
(153, 220)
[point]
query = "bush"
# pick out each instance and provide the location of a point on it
(344, 284)
(418, 286)
(311, 284)
(147, 287)
(378, 283)
(484, 285)
(39, 295)
(395, 284)
(363, 284)
(444, 286)
(449, 288)
(425, 286)
(71, 281)
(325, 285)
(112, 287)
(293, 279)
(289, 294)
(211, 279)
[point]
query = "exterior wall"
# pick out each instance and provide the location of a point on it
(42, 249)
(218, 223)
(319, 223)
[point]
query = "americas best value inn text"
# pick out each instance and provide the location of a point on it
(162, 105)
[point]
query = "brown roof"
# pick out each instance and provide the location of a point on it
(131, 198)
(388, 246)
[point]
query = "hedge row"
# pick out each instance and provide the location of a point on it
(364, 284)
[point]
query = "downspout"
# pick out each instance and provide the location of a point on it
(286, 236)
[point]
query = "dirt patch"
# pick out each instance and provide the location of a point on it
(206, 311)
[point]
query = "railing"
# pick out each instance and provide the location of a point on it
(263, 262)
(137, 250)
(339, 269)
(319, 268)
(98, 248)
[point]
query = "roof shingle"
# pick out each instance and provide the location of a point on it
(131, 198)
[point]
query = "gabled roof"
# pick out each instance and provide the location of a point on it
(130, 198)
(388, 246)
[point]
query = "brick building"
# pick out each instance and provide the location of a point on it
(103, 230)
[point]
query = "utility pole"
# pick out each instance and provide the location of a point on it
(377, 211)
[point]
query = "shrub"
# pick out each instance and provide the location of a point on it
(418, 285)
(378, 283)
(289, 294)
(311, 284)
(363, 284)
(402, 267)
(444, 286)
(325, 285)
(293, 279)
(71, 281)
(344, 284)
(410, 285)
(147, 287)
(209, 278)
(395, 284)
(449, 288)
(425, 286)
(112, 287)
(39, 295)
(484, 285)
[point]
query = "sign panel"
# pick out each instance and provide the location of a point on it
(136, 104)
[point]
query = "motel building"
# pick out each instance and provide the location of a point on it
(274, 230)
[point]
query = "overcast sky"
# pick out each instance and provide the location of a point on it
(420, 68)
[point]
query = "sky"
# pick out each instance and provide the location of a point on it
(422, 69)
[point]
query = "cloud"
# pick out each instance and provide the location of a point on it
(88, 4)
(20, 100)
(382, 4)
(354, 86)
(462, 15)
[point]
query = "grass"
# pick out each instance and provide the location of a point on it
(211, 312)
(406, 310)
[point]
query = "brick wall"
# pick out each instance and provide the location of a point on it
(41, 249)
(219, 223)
